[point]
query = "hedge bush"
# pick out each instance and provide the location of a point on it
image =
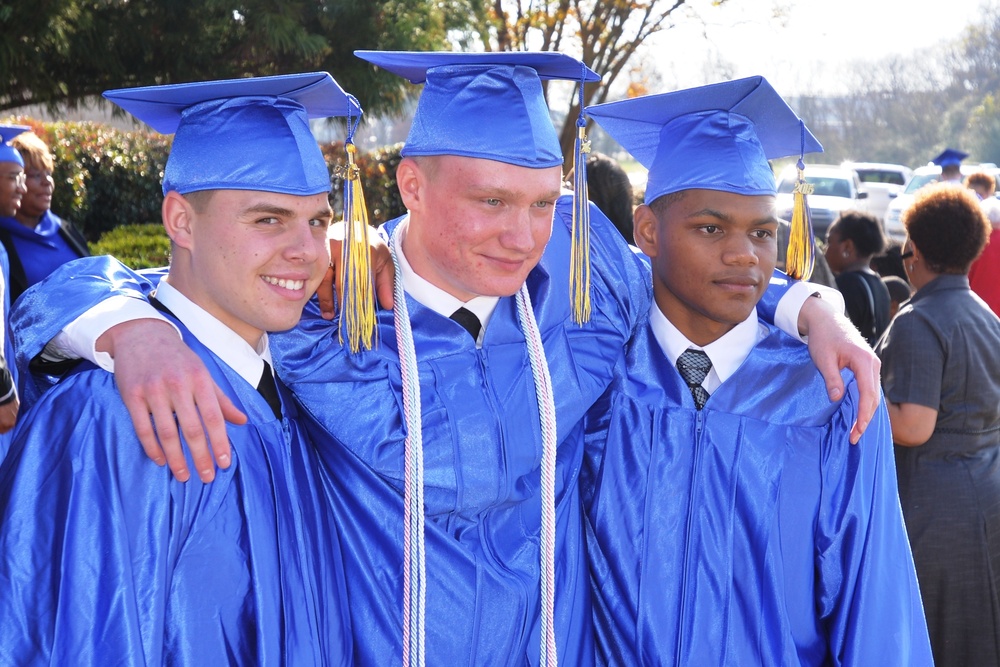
(137, 246)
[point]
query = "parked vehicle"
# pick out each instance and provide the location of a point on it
(921, 176)
(882, 181)
(835, 189)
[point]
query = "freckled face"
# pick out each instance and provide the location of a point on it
(257, 257)
(477, 227)
(713, 254)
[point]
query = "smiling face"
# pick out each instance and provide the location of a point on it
(12, 188)
(712, 255)
(251, 259)
(38, 198)
(477, 227)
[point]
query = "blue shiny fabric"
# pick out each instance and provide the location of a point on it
(481, 440)
(715, 137)
(8, 340)
(483, 105)
(41, 249)
(750, 532)
(9, 153)
(106, 559)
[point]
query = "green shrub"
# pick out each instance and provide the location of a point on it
(137, 246)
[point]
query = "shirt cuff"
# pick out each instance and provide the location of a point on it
(78, 339)
(786, 315)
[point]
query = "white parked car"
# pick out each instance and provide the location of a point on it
(882, 181)
(921, 177)
(835, 189)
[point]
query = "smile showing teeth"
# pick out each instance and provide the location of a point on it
(284, 284)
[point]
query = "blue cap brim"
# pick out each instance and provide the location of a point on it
(483, 105)
(949, 157)
(413, 65)
(719, 136)
(161, 107)
(242, 134)
(9, 153)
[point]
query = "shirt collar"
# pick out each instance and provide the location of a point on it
(225, 343)
(432, 296)
(727, 353)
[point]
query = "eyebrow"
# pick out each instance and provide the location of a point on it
(490, 191)
(711, 212)
(286, 212)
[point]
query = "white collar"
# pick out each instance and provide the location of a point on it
(216, 336)
(727, 352)
(432, 296)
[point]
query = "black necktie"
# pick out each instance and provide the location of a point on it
(469, 321)
(269, 390)
(694, 366)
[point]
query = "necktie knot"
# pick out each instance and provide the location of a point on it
(269, 390)
(694, 365)
(469, 321)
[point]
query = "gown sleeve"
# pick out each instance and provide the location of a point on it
(867, 593)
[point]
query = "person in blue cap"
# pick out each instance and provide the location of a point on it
(729, 519)
(12, 189)
(950, 161)
(454, 474)
(105, 558)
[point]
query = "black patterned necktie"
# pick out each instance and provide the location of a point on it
(269, 390)
(694, 366)
(469, 321)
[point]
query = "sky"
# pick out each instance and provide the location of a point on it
(808, 45)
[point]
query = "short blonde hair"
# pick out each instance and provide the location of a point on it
(34, 151)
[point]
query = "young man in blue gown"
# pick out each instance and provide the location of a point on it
(729, 519)
(106, 558)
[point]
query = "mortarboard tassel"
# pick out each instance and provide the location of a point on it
(801, 258)
(357, 307)
(579, 268)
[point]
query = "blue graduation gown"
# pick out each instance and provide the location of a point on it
(750, 532)
(482, 447)
(8, 341)
(106, 559)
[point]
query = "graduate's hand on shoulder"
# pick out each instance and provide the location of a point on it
(329, 291)
(835, 343)
(167, 391)
(8, 414)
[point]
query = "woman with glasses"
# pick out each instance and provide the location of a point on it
(941, 375)
(37, 241)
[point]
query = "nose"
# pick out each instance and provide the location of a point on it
(518, 234)
(304, 243)
(740, 251)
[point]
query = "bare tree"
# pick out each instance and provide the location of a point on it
(605, 34)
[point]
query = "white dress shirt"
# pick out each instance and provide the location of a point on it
(727, 352)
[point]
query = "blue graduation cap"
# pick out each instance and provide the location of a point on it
(9, 153)
(242, 134)
(715, 137)
(483, 105)
(949, 157)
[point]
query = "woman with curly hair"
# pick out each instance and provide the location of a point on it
(941, 375)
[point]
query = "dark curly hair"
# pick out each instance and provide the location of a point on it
(948, 226)
(862, 228)
(983, 180)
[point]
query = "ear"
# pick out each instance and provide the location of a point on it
(178, 218)
(409, 180)
(645, 228)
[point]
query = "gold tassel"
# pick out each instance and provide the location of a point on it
(357, 307)
(801, 258)
(579, 268)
